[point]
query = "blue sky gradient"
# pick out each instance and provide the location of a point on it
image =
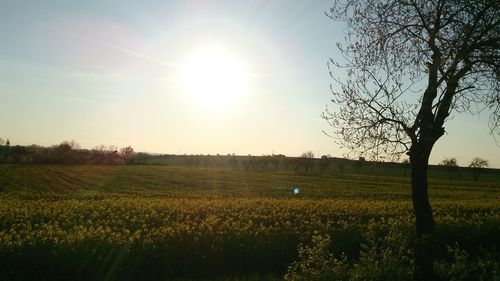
(107, 72)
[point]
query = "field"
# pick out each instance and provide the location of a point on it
(138, 222)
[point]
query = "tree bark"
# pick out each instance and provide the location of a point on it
(419, 158)
(421, 206)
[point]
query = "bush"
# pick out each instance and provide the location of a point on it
(389, 256)
(316, 263)
(462, 266)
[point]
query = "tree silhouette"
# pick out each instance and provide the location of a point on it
(451, 166)
(410, 64)
(357, 165)
(126, 153)
(308, 154)
(406, 165)
(306, 160)
(324, 162)
(477, 164)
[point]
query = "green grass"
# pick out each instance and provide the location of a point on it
(67, 181)
(61, 222)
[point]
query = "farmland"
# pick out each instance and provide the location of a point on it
(146, 222)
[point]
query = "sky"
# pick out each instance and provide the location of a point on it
(183, 77)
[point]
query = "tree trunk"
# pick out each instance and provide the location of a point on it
(421, 206)
(424, 221)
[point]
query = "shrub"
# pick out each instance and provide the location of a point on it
(462, 266)
(316, 263)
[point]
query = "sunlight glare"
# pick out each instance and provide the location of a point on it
(214, 76)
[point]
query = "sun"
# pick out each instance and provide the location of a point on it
(215, 76)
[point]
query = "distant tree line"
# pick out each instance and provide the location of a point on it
(67, 152)
(305, 163)
(476, 166)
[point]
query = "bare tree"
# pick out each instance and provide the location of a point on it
(357, 165)
(126, 153)
(410, 64)
(451, 166)
(324, 162)
(406, 165)
(306, 160)
(308, 154)
(477, 164)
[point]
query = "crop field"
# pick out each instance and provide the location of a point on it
(90, 222)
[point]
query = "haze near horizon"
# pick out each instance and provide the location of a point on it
(195, 77)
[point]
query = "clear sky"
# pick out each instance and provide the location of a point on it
(148, 74)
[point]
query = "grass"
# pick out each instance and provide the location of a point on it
(88, 222)
(68, 181)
